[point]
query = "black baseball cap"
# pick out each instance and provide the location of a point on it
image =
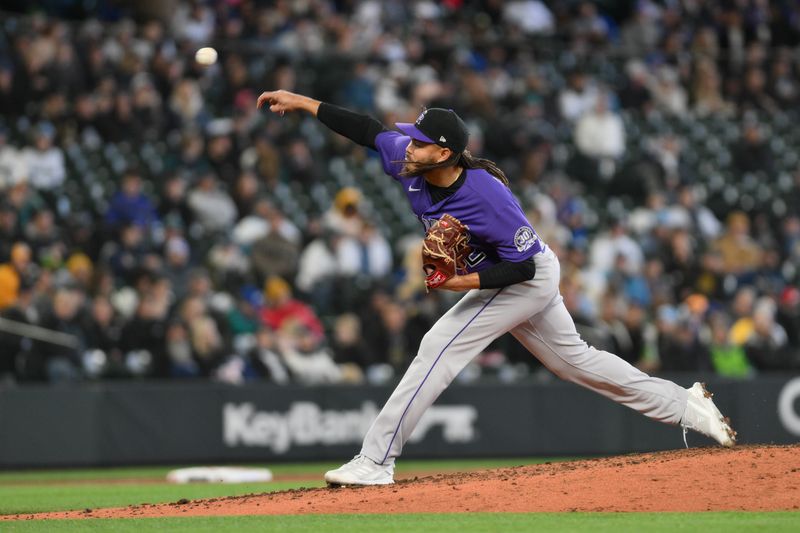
(438, 126)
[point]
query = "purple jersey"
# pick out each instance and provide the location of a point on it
(499, 230)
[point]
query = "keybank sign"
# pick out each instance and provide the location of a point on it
(307, 424)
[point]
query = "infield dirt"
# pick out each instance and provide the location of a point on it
(746, 478)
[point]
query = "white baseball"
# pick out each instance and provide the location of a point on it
(206, 56)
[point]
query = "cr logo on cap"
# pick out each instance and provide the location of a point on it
(420, 117)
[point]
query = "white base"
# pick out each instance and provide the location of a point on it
(219, 474)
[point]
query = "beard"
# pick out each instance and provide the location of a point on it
(418, 168)
(411, 168)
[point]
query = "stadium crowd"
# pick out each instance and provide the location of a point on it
(195, 258)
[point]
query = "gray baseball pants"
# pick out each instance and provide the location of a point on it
(534, 312)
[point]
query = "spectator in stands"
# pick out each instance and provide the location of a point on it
(194, 22)
(192, 159)
(681, 349)
(636, 93)
(244, 318)
(143, 339)
(129, 255)
(613, 335)
(344, 216)
(751, 153)
(13, 274)
(60, 359)
(754, 94)
(147, 106)
(177, 252)
(790, 238)
(264, 159)
(668, 95)
(45, 161)
(767, 345)
(229, 266)
(14, 347)
(208, 344)
(742, 308)
(707, 95)
(309, 362)
(532, 16)
(347, 342)
(221, 154)
(321, 267)
(12, 96)
(369, 253)
(783, 84)
(389, 338)
(281, 309)
(728, 359)
(13, 165)
(600, 139)
(266, 218)
(588, 26)
(608, 246)
(211, 205)
(275, 255)
(130, 205)
(635, 320)
(740, 253)
(246, 192)
(178, 351)
(102, 328)
(701, 220)
(45, 239)
(79, 270)
(9, 230)
(640, 33)
(265, 359)
(788, 315)
(201, 286)
(682, 262)
(300, 166)
(666, 151)
(173, 207)
(579, 97)
(84, 119)
(186, 103)
(599, 132)
(128, 125)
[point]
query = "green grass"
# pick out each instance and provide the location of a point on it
(311, 469)
(57, 490)
(490, 522)
(33, 499)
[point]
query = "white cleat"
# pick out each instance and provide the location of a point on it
(361, 471)
(702, 416)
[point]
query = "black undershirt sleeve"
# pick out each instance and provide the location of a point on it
(361, 129)
(507, 273)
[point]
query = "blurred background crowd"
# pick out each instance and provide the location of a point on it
(154, 224)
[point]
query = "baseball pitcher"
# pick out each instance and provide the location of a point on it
(479, 240)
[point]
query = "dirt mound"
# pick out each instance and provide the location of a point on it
(747, 478)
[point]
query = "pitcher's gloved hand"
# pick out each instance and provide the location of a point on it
(444, 251)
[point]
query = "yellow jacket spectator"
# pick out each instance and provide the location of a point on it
(10, 274)
(740, 253)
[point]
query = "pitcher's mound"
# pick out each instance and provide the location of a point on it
(747, 478)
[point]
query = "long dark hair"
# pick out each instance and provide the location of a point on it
(463, 159)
